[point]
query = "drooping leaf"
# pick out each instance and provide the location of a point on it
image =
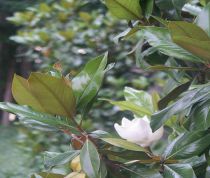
(87, 83)
(160, 39)
(187, 145)
(90, 160)
(204, 24)
(123, 144)
(178, 171)
(52, 159)
(125, 9)
(45, 93)
(28, 115)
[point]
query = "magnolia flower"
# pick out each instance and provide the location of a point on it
(138, 131)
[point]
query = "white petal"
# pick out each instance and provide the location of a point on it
(120, 130)
(158, 134)
(125, 122)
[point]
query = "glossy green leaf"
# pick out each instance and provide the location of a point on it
(139, 97)
(173, 95)
(52, 159)
(190, 98)
(204, 2)
(203, 19)
(45, 93)
(187, 145)
(192, 38)
(125, 9)
(200, 116)
(130, 106)
(178, 171)
(87, 83)
(90, 160)
(123, 144)
(160, 39)
(28, 115)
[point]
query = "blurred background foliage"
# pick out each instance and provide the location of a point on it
(36, 34)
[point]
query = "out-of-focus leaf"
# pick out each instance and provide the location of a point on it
(125, 9)
(45, 93)
(139, 97)
(50, 175)
(203, 19)
(204, 2)
(187, 145)
(76, 175)
(160, 39)
(90, 160)
(147, 7)
(167, 68)
(87, 83)
(52, 159)
(192, 38)
(178, 171)
(27, 114)
(102, 170)
(123, 144)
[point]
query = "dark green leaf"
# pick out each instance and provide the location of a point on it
(173, 95)
(178, 171)
(187, 145)
(190, 98)
(200, 116)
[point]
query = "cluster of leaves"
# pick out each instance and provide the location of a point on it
(179, 48)
(69, 31)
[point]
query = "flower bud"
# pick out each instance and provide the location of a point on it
(138, 131)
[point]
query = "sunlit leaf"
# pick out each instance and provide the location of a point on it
(45, 93)
(87, 83)
(125, 9)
